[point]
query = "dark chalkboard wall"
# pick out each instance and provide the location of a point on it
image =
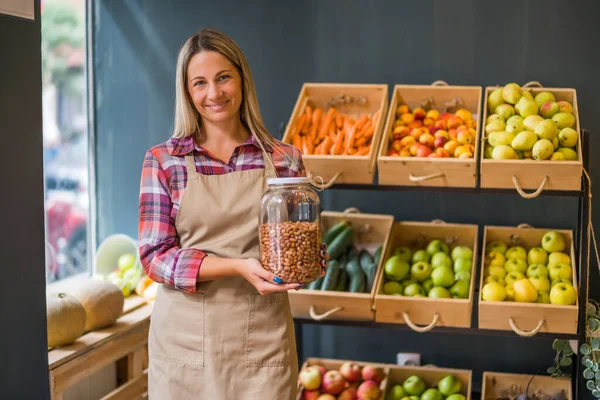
(23, 350)
(466, 42)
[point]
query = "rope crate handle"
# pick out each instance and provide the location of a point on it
(440, 83)
(533, 84)
(318, 183)
(523, 333)
(421, 329)
(319, 317)
(351, 210)
(533, 195)
(414, 178)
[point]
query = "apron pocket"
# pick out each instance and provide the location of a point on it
(269, 331)
(177, 327)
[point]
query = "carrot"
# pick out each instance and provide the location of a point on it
(362, 120)
(361, 142)
(351, 137)
(363, 151)
(319, 148)
(305, 147)
(300, 125)
(365, 127)
(339, 121)
(308, 112)
(327, 143)
(297, 141)
(375, 117)
(331, 129)
(316, 118)
(338, 145)
(326, 123)
(369, 132)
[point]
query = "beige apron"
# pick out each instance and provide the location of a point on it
(225, 342)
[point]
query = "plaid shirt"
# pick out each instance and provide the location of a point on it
(164, 178)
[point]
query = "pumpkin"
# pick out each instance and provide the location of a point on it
(103, 303)
(65, 319)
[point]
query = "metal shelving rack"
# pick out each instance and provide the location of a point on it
(581, 249)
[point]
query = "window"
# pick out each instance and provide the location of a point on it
(66, 138)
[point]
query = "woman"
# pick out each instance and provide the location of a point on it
(221, 327)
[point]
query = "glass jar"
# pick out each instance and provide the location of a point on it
(290, 230)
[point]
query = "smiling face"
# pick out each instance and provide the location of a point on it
(215, 87)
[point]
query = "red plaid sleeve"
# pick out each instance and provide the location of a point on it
(163, 260)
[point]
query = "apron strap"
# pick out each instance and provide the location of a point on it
(190, 163)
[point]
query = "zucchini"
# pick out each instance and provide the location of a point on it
(341, 242)
(378, 254)
(370, 275)
(342, 283)
(334, 231)
(365, 259)
(357, 283)
(331, 277)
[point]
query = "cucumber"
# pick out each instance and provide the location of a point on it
(316, 284)
(365, 259)
(341, 242)
(331, 277)
(370, 275)
(342, 284)
(357, 283)
(353, 266)
(352, 252)
(334, 231)
(378, 254)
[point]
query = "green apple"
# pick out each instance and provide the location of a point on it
(537, 271)
(493, 291)
(456, 397)
(543, 297)
(531, 121)
(570, 154)
(435, 246)
(494, 279)
(408, 281)
(540, 284)
(553, 241)
(559, 280)
(462, 276)
(460, 289)
(495, 99)
(563, 120)
(512, 277)
(442, 276)
(403, 252)
(414, 386)
(537, 255)
(392, 287)
(496, 270)
(413, 289)
(397, 392)
(427, 285)
(432, 394)
(562, 271)
(420, 255)
(441, 259)
(563, 293)
(462, 264)
(558, 257)
(396, 268)
(462, 252)
(516, 252)
(495, 258)
(568, 137)
(449, 385)
(497, 246)
(126, 261)
(420, 271)
(439, 293)
(515, 264)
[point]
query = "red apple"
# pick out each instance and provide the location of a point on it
(326, 397)
(350, 371)
(428, 121)
(397, 145)
(423, 151)
(419, 113)
(393, 152)
(446, 116)
(454, 122)
(333, 382)
(310, 394)
(441, 124)
(349, 393)
(416, 133)
(310, 378)
(407, 141)
(433, 155)
(440, 141)
(372, 373)
(452, 133)
(413, 149)
(427, 139)
(415, 124)
(441, 152)
(369, 390)
(401, 131)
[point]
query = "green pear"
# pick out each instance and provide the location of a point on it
(526, 107)
(568, 137)
(504, 152)
(524, 141)
(487, 151)
(531, 121)
(542, 149)
(527, 94)
(555, 143)
(570, 154)
(495, 126)
(546, 130)
(495, 99)
(557, 156)
(544, 97)
(511, 93)
(547, 110)
(563, 120)
(565, 106)
(494, 117)
(505, 111)
(515, 124)
(500, 138)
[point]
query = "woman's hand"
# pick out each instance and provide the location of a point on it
(324, 259)
(264, 281)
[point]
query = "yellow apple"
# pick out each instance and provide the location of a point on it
(510, 294)
(541, 284)
(525, 292)
(494, 279)
(543, 297)
(563, 293)
(495, 258)
(497, 270)
(559, 258)
(512, 277)
(562, 271)
(493, 291)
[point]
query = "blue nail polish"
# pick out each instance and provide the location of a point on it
(277, 280)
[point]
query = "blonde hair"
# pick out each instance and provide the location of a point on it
(187, 118)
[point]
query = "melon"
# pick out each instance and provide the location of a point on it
(103, 303)
(65, 319)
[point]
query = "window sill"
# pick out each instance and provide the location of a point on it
(68, 285)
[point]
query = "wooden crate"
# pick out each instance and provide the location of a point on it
(531, 174)
(333, 364)
(338, 168)
(414, 171)
(494, 383)
(424, 310)
(320, 304)
(430, 375)
(529, 318)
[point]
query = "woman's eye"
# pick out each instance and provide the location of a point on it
(223, 77)
(199, 83)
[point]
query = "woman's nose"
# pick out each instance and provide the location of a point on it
(213, 91)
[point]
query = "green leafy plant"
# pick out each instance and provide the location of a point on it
(590, 349)
(564, 352)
